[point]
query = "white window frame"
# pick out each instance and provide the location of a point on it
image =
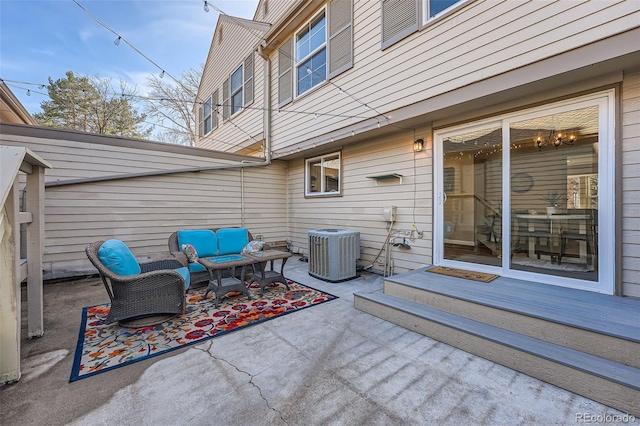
(606, 102)
(426, 19)
(204, 131)
(323, 192)
(234, 92)
(299, 61)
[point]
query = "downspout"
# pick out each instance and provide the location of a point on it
(266, 115)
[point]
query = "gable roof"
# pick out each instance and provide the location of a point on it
(260, 27)
(11, 159)
(11, 109)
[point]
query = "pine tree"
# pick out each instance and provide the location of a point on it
(91, 105)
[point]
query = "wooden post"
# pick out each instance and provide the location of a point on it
(35, 248)
(10, 289)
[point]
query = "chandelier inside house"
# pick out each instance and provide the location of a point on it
(555, 139)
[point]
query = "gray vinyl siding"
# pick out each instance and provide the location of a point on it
(144, 211)
(631, 184)
(480, 40)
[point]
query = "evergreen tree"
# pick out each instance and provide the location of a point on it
(91, 105)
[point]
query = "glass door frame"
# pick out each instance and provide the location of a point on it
(605, 101)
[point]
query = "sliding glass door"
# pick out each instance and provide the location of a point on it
(530, 194)
(472, 195)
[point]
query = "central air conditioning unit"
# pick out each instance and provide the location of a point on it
(333, 254)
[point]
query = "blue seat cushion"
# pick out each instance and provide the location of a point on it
(184, 271)
(232, 240)
(203, 240)
(116, 256)
(196, 267)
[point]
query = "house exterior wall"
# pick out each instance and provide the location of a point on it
(480, 40)
(275, 9)
(483, 58)
(360, 207)
(245, 127)
(630, 172)
(143, 211)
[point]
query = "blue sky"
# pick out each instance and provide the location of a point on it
(46, 38)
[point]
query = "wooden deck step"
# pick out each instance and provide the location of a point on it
(597, 378)
(597, 324)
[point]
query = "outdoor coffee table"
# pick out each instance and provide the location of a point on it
(221, 286)
(264, 277)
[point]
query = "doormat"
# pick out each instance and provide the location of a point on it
(463, 273)
(103, 347)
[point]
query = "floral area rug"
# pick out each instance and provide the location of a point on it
(103, 347)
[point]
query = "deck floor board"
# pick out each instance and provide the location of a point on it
(612, 315)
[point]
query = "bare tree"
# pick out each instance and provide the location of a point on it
(171, 104)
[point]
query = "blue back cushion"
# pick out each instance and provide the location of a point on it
(232, 240)
(116, 256)
(203, 240)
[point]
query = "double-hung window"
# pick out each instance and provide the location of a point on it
(319, 50)
(205, 118)
(237, 89)
(237, 100)
(311, 54)
(322, 175)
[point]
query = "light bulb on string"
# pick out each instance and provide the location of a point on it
(206, 6)
(162, 74)
(28, 92)
(117, 41)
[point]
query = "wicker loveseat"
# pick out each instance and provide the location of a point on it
(234, 237)
(141, 294)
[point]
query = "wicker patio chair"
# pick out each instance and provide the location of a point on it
(148, 298)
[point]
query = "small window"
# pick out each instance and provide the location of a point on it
(322, 175)
(432, 8)
(311, 54)
(206, 112)
(236, 91)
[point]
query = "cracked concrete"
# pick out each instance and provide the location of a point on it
(329, 364)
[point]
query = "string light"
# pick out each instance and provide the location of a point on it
(162, 74)
(206, 6)
(28, 92)
(117, 41)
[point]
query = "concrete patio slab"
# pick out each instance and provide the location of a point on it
(330, 364)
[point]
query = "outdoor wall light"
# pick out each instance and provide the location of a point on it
(418, 145)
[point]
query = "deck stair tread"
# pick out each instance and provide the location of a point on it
(611, 315)
(610, 370)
